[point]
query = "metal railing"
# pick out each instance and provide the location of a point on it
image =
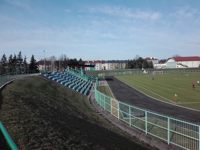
(5, 78)
(7, 137)
(9, 77)
(173, 131)
(79, 73)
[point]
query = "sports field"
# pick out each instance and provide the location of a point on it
(175, 88)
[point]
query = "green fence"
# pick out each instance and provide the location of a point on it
(7, 137)
(173, 131)
(140, 71)
(80, 74)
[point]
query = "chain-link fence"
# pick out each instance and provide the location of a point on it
(144, 71)
(9, 77)
(5, 78)
(173, 131)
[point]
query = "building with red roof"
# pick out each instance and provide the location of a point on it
(183, 62)
(182, 59)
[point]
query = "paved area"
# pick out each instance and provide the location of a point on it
(131, 96)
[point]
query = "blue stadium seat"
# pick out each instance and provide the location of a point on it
(75, 81)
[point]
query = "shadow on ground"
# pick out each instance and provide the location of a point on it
(42, 115)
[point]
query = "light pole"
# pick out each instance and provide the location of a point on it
(44, 61)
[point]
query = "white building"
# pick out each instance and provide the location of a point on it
(183, 62)
(152, 59)
(108, 65)
(44, 65)
(115, 64)
(159, 66)
(99, 65)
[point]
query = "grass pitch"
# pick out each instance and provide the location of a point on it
(175, 88)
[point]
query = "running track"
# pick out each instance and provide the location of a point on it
(129, 95)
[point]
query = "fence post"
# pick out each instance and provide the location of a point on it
(101, 100)
(129, 111)
(199, 137)
(146, 122)
(111, 106)
(168, 130)
(98, 98)
(118, 109)
(104, 103)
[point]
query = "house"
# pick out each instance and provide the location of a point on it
(154, 61)
(97, 63)
(47, 65)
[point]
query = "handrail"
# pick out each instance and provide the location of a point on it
(185, 135)
(7, 137)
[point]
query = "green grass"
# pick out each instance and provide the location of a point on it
(164, 87)
(40, 114)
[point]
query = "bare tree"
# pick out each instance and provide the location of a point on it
(52, 59)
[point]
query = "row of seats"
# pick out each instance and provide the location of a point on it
(80, 74)
(71, 81)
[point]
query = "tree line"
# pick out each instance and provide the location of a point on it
(54, 64)
(61, 63)
(139, 63)
(17, 64)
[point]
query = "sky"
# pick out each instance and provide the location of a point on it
(89, 29)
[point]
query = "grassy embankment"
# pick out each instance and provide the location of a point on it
(40, 114)
(106, 90)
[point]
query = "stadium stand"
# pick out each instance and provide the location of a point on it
(70, 79)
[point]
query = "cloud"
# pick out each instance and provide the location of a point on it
(186, 12)
(19, 3)
(126, 12)
(67, 10)
(184, 19)
(100, 30)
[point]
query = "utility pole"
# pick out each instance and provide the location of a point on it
(44, 61)
(59, 64)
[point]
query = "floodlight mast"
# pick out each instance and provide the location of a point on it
(44, 61)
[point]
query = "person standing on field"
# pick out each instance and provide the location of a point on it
(193, 85)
